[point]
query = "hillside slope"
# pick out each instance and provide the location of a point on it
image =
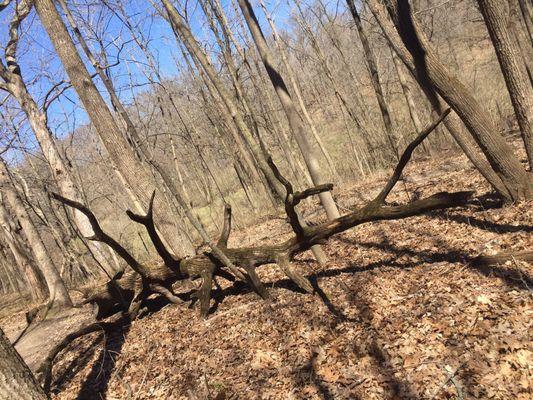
(400, 311)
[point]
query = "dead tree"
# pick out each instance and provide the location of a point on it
(127, 292)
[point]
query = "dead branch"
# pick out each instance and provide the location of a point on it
(134, 286)
(406, 156)
(148, 222)
(101, 236)
(501, 258)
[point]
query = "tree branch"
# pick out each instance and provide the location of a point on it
(101, 236)
(406, 156)
(148, 222)
(226, 229)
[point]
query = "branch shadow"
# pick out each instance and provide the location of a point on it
(96, 384)
(485, 225)
(512, 278)
(68, 373)
(399, 388)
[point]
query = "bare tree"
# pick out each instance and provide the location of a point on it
(514, 182)
(134, 175)
(21, 255)
(295, 121)
(15, 85)
(182, 30)
(372, 66)
(58, 294)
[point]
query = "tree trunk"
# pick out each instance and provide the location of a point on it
(16, 379)
(182, 30)
(61, 173)
(496, 16)
(409, 98)
(372, 66)
(295, 122)
(21, 256)
(135, 176)
(56, 287)
(433, 75)
(292, 80)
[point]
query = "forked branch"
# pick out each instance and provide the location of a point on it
(292, 199)
(148, 222)
(406, 156)
(101, 236)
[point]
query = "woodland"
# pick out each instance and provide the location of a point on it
(251, 199)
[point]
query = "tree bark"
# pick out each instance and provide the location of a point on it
(134, 175)
(496, 16)
(16, 379)
(56, 287)
(295, 122)
(21, 256)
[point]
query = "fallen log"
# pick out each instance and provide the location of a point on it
(126, 292)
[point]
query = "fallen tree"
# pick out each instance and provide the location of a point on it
(127, 291)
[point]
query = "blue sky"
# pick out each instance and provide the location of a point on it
(41, 66)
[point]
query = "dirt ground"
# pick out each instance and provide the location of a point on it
(400, 312)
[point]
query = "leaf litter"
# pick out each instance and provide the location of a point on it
(400, 312)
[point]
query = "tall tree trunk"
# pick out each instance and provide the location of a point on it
(16, 379)
(134, 175)
(15, 85)
(294, 85)
(181, 28)
(7, 262)
(61, 173)
(139, 146)
(496, 16)
(21, 256)
(295, 122)
(407, 93)
(56, 287)
(433, 75)
(373, 71)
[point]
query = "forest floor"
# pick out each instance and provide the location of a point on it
(400, 312)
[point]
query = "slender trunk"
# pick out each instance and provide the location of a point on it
(294, 85)
(372, 66)
(409, 98)
(295, 122)
(496, 16)
(56, 287)
(526, 9)
(182, 30)
(21, 256)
